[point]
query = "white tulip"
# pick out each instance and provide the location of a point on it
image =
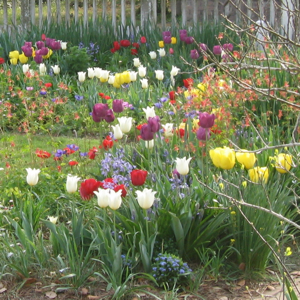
(153, 54)
(159, 74)
(81, 76)
(42, 69)
(118, 134)
(63, 45)
(162, 52)
(182, 165)
(25, 68)
(71, 184)
(125, 124)
(168, 129)
(111, 79)
(56, 69)
(133, 75)
(102, 197)
(150, 112)
(53, 220)
(144, 83)
(149, 144)
(174, 71)
(145, 198)
(97, 72)
(32, 176)
(142, 71)
(115, 199)
(91, 73)
(136, 62)
(104, 75)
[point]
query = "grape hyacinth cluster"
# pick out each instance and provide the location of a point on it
(169, 270)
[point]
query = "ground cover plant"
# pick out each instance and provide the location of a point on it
(156, 161)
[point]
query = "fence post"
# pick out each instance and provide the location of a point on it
(146, 13)
(287, 18)
(25, 14)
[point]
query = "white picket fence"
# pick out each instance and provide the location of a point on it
(183, 12)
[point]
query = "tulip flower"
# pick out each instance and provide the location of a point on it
(133, 76)
(206, 120)
(149, 144)
(99, 111)
(118, 134)
(91, 73)
(23, 58)
(154, 123)
(111, 79)
(159, 74)
(247, 159)
(88, 187)
(194, 54)
(146, 133)
(153, 55)
(142, 71)
(144, 83)
(203, 134)
(71, 185)
(104, 75)
(162, 52)
(182, 165)
(63, 45)
(174, 71)
(117, 105)
(138, 177)
(109, 117)
(283, 163)
(81, 76)
(217, 50)
(125, 124)
(32, 176)
(53, 220)
(149, 111)
(136, 62)
(103, 196)
(97, 72)
(42, 69)
(161, 44)
(259, 174)
(223, 158)
(115, 199)
(168, 129)
(228, 47)
(25, 68)
(56, 69)
(145, 198)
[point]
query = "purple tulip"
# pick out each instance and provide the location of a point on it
(146, 133)
(49, 42)
(183, 31)
(194, 54)
(167, 39)
(117, 105)
(166, 33)
(109, 117)
(28, 44)
(38, 58)
(206, 120)
(154, 123)
(189, 40)
(99, 111)
(44, 51)
(27, 51)
(203, 134)
(182, 34)
(228, 47)
(203, 47)
(217, 50)
(40, 44)
(55, 45)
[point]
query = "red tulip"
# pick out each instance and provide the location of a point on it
(143, 40)
(188, 82)
(107, 143)
(125, 43)
(138, 177)
(121, 187)
(88, 187)
(117, 45)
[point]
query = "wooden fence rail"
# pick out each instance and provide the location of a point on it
(21, 13)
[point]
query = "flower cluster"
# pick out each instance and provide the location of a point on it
(169, 270)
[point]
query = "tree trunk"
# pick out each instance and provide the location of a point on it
(25, 14)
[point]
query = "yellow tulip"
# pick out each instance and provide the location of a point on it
(223, 158)
(125, 77)
(14, 54)
(258, 174)
(246, 159)
(13, 61)
(23, 58)
(173, 40)
(161, 44)
(284, 162)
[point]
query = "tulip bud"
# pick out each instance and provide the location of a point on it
(217, 50)
(142, 71)
(162, 52)
(182, 165)
(159, 74)
(71, 185)
(194, 54)
(144, 83)
(42, 69)
(153, 55)
(91, 73)
(81, 76)
(136, 62)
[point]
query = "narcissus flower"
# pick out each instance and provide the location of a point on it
(283, 163)
(247, 159)
(71, 184)
(223, 158)
(259, 174)
(145, 198)
(32, 176)
(182, 165)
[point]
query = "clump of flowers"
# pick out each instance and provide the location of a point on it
(169, 270)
